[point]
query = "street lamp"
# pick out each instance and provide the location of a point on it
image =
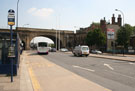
(59, 33)
(56, 39)
(121, 13)
(17, 15)
(123, 24)
(59, 40)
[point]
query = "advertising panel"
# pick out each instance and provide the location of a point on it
(110, 33)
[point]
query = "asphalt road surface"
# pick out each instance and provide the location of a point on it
(112, 74)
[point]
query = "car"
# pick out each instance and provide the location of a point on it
(64, 50)
(81, 50)
(96, 52)
(52, 50)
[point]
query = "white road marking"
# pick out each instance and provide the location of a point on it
(83, 68)
(132, 63)
(107, 65)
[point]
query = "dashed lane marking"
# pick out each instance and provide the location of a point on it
(83, 68)
(132, 63)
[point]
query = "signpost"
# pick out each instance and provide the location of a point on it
(11, 52)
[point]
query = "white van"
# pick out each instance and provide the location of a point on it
(81, 50)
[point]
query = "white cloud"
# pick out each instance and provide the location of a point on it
(43, 12)
(31, 10)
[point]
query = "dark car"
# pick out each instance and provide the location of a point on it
(53, 50)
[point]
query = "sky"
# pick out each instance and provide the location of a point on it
(65, 14)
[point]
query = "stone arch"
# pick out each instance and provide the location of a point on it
(53, 38)
(27, 34)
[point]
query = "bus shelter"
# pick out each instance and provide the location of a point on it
(5, 62)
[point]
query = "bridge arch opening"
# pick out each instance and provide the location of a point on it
(45, 38)
(37, 39)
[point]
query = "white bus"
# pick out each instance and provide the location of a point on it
(42, 47)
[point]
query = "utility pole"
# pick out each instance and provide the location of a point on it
(59, 33)
(17, 15)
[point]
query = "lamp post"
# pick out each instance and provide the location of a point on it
(56, 34)
(121, 13)
(59, 40)
(123, 24)
(17, 15)
(56, 40)
(59, 33)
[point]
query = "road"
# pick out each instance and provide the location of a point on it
(111, 74)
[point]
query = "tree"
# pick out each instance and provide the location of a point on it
(96, 37)
(123, 35)
(133, 29)
(90, 39)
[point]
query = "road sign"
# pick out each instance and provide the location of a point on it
(110, 33)
(11, 17)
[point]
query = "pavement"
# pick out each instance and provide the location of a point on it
(22, 82)
(121, 57)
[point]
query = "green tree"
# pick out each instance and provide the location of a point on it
(89, 38)
(96, 37)
(123, 35)
(133, 29)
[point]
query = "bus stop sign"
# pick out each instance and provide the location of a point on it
(11, 17)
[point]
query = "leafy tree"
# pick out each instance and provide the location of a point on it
(96, 37)
(89, 38)
(123, 35)
(134, 30)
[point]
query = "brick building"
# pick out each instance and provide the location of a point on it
(82, 32)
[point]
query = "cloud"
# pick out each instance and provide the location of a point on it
(43, 12)
(31, 10)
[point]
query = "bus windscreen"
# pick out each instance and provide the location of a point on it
(42, 44)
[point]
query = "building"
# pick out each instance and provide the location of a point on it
(110, 29)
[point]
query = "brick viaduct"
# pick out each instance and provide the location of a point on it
(27, 34)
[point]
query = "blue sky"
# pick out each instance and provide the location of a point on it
(65, 14)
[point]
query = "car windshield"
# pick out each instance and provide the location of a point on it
(85, 48)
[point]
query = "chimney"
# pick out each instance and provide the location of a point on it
(104, 18)
(113, 19)
(103, 24)
(119, 20)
